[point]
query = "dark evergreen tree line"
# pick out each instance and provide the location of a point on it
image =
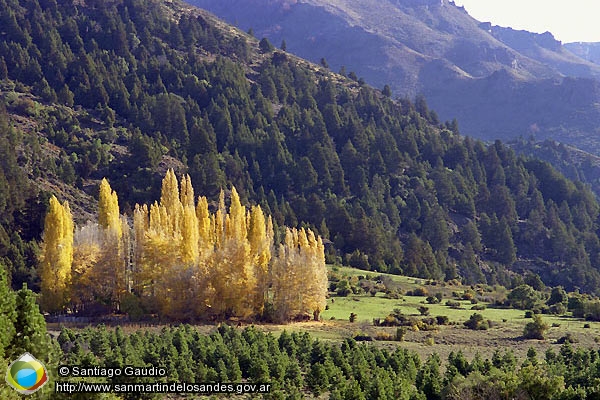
(296, 365)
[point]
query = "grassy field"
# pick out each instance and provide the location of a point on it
(505, 333)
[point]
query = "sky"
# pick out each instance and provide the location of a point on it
(567, 20)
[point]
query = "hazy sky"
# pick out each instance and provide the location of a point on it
(568, 20)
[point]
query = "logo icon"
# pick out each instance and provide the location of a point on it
(26, 374)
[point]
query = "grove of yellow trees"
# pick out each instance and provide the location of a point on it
(181, 261)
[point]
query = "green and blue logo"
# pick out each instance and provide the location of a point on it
(26, 374)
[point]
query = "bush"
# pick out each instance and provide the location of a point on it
(558, 309)
(535, 329)
(432, 300)
(400, 332)
(467, 296)
(420, 291)
(353, 317)
(453, 304)
(362, 337)
(529, 314)
(478, 307)
(568, 338)
(477, 322)
(384, 336)
(132, 306)
(423, 310)
(343, 288)
(442, 320)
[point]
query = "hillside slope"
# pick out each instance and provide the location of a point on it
(587, 51)
(130, 89)
(500, 83)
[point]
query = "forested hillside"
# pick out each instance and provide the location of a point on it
(129, 88)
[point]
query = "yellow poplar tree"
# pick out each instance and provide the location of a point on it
(187, 191)
(205, 237)
(201, 287)
(56, 256)
(260, 236)
(108, 208)
(110, 276)
(233, 275)
(169, 199)
(299, 275)
(87, 244)
(316, 282)
(190, 250)
(286, 278)
(141, 224)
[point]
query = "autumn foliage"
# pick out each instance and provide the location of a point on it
(182, 261)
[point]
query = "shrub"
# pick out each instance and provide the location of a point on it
(453, 304)
(432, 300)
(400, 332)
(442, 320)
(535, 329)
(423, 310)
(362, 337)
(478, 307)
(384, 336)
(529, 314)
(568, 338)
(420, 291)
(558, 309)
(476, 322)
(467, 296)
(343, 288)
(353, 317)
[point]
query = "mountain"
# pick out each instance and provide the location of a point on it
(587, 51)
(498, 82)
(127, 89)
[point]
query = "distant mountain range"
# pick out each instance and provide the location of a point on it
(498, 82)
(587, 51)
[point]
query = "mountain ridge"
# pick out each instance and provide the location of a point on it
(437, 49)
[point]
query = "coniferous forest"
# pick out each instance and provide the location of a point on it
(237, 171)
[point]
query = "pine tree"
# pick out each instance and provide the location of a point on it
(30, 327)
(56, 256)
(8, 314)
